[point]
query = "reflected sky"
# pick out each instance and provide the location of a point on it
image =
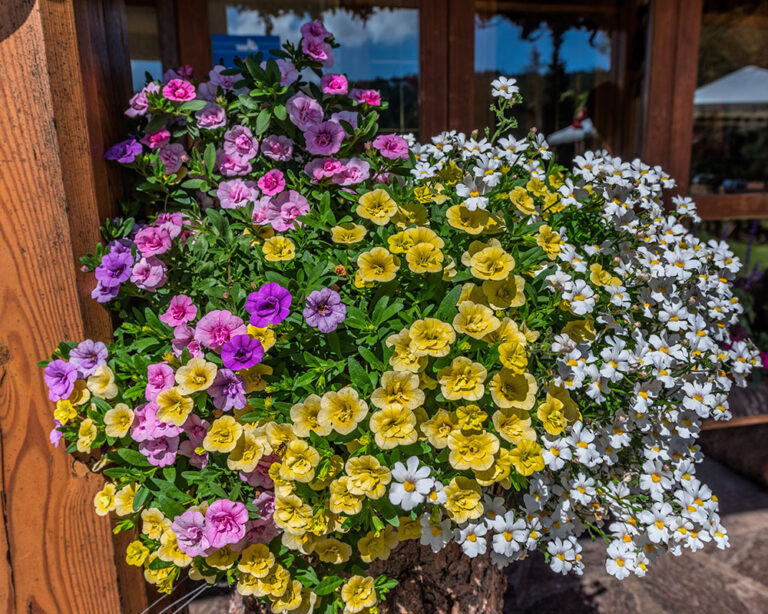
(499, 46)
(384, 45)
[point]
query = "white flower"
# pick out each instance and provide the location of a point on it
(473, 193)
(435, 536)
(620, 560)
(563, 554)
(410, 484)
(504, 87)
(472, 539)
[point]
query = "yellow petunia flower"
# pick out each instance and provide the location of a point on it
(254, 377)
(124, 499)
(424, 258)
(292, 514)
(104, 500)
(472, 292)
(367, 477)
(602, 277)
(537, 187)
(475, 320)
(279, 435)
(154, 523)
(488, 260)
(470, 417)
(527, 458)
(422, 234)
(304, 417)
(275, 584)
(513, 424)
(471, 222)
(290, 600)
(170, 552)
(102, 383)
(173, 407)
(333, 551)
(410, 214)
(377, 265)
(136, 553)
(376, 206)
(256, 560)
(398, 390)
(408, 529)
(472, 450)
(570, 409)
(358, 594)
(522, 200)
(348, 233)
(299, 461)
(505, 293)
(223, 435)
(551, 414)
(498, 472)
(581, 330)
(399, 243)
(463, 499)
(86, 435)
(510, 389)
(278, 249)
(65, 411)
(549, 241)
(507, 332)
(431, 337)
(393, 427)
(198, 374)
(80, 393)
(248, 451)
(342, 500)
(439, 427)
(378, 545)
(266, 336)
(118, 420)
(404, 357)
(342, 410)
(462, 379)
(513, 356)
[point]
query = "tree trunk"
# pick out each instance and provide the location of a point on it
(444, 583)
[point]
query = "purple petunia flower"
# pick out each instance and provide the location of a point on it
(159, 378)
(146, 426)
(60, 378)
(124, 152)
(355, 171)
(277, 147)
(173, 156)
(304, 111)
(160, 452)
(217, 327)
(225, 523)
(102, 294)
(115, 268)
(324, 139)
(149, 273)
(241, 352)
(55, 436)
(211, 116)
(189, 529)
(88, 356)
(231, 165)
(324, 310)
(180, 311)
(152, 241)
(240, 143)
(270, 304)
(285, 208)
(228, 390)
(184, 339)
(236, 193)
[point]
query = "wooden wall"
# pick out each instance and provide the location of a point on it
(62, 92)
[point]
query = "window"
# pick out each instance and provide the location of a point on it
(143, 43)
(379, 43)
(730, 134)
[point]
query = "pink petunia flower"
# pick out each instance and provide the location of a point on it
(179, 90)
(324, 139)
(180, 311)
(285, 208)
(272, 182)
(217, 327)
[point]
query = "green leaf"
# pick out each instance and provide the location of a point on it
(280, 112)
(447, 306)
(328, 585)
(262, 121)
(133, 457)
(358, 375)
(193, 105)
(209, 157)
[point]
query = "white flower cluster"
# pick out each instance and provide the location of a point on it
(650, 360)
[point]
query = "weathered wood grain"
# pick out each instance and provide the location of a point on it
(59, 554)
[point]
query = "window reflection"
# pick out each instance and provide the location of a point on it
(379, 43)
(143, 43)
(730, 134)
(560, 65)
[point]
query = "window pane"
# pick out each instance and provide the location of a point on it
(561, 58)
(730, 133)
(143, 43)
(379, 43)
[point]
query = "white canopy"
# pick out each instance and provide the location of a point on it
(747, 86)
(571, 134)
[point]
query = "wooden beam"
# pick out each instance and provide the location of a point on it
(433, 68)
(194, 35)
(731, 206)
(59, 555)
(710, 425)
(672, 66)
(461, 65)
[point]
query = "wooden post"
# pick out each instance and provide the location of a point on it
(59, 115)
(194, 35)
(461, 65)
(433, 68)
(673, 63)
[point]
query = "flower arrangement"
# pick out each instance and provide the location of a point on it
(334, 340)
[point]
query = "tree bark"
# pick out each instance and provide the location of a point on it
(444, 583)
